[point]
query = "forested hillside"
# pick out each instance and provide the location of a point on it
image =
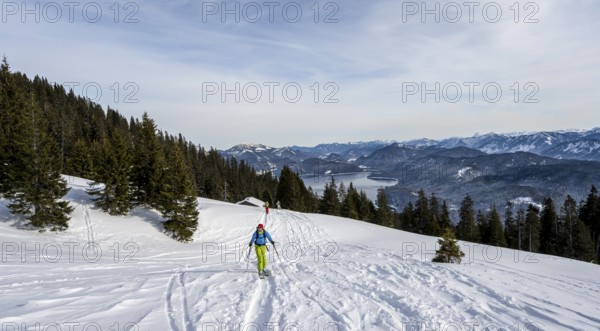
(46, 131)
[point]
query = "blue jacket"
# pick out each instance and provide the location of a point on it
(260, 238)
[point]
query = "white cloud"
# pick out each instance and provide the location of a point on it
(368, 54)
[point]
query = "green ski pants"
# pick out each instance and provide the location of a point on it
(261, 254)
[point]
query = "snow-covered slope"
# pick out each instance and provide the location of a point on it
(122, 273)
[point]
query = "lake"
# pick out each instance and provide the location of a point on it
(359, 180)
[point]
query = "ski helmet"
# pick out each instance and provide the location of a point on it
(260, 226)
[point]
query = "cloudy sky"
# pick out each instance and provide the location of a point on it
(303, 73)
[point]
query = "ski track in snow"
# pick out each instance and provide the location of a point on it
(326, 292)
(177, 312)
(170, 310)
(184, 303)
(88, 226)
(260, 309)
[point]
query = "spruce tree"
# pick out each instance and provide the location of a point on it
(589, 213)
(36, 185)
(112, 186)
(521, 224)
(330, 203)
(366, 208)
(306, 199)
(434, 207)
(496, 232)
(312, 201)
(148, 164)
(445, 221)
(532, 229)
(293, 194)
(466, 228)
(383, 215)
(214, 175)
(567, 223)
(510, 227)
(5, 108)
(342, 192)
(549, 231)
(286, 190)
(14, 130)
(81, 161)
(350, 203)
(483, 227)
(178, 202)
(583, 246)
(423, 215)
(408, 218)
(449, 251)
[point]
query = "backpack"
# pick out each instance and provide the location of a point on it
(261, 235)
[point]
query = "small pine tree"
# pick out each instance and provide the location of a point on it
(449, 251)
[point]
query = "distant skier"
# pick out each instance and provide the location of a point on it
(259, 238)
(278, 205)
(267, 207)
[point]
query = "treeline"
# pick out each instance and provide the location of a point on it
(571, 230)
(46, 131)
(336, 200)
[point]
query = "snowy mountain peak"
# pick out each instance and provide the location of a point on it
(545, 143)
(248, 148)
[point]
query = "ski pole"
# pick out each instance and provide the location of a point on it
(276, 252)
(248, 258)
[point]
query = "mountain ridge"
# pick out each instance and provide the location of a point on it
(575, 144)
(493, 167)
